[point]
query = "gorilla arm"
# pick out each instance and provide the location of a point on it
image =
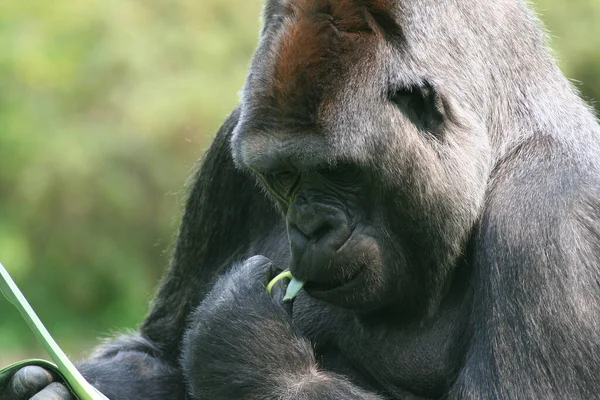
(537, 266)
(226, 218)
(242, 344)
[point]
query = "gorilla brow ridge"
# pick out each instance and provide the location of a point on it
(314, 40)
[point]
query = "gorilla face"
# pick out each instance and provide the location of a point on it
(378, 165)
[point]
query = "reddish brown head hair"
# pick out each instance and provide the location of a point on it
(320, 40)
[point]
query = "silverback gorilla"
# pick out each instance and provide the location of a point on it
(425, 167)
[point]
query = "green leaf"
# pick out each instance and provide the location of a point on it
(74, 380)
(293, 287)
(285, 274)
(292, 290)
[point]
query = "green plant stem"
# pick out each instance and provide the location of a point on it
(80, 387)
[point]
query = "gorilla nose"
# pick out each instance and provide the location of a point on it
(316, 224)
(311, 226)
(312, 221)
(316, 232)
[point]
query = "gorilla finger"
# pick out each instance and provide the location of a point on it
(274, 271)
(278, 290)
(54, 391)
(29, 380)
(278, 293)
(257, 269)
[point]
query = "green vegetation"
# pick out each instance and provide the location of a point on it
(63, 367)
(104, 108)
(293, 288)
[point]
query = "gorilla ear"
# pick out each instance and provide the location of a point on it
(423, 105)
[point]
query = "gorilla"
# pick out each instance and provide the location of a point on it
(427, 170)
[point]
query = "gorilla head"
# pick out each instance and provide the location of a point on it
(367, 130)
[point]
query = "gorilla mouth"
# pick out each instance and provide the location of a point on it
(316, 286)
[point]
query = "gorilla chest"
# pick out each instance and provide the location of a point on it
(384, 356)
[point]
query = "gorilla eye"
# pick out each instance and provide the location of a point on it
(422, 105)
(343, 173)
(284, 179)
(280, 183)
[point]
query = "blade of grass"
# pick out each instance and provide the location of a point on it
(79, 386)
(285, 274)
(293, 287)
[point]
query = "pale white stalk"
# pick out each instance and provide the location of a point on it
(293, 287)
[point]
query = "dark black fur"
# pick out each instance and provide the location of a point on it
(473, 221)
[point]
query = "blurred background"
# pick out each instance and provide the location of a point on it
(105, 106)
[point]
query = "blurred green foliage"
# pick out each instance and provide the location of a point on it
(105, 105)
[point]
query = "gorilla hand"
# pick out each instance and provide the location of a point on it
(241, 343)
(35, 383)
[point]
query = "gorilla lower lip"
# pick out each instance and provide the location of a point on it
(314, 286)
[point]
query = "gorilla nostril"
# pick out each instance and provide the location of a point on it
(292, 227)
(321, 231)
(314, 229)
(314, 221)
